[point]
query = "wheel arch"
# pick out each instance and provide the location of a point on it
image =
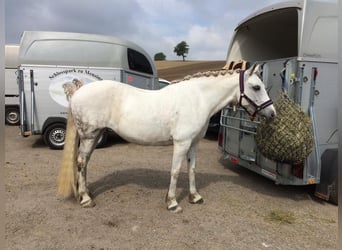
(52, 120)
(12, 106)
(328, 187)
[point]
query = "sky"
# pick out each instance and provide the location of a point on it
(156, 25)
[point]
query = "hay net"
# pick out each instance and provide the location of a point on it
(288, 138)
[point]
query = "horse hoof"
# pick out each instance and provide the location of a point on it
(176, 209)
(88, 204)
(195, 199)
(200, 201)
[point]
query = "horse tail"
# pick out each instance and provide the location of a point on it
(67, 173)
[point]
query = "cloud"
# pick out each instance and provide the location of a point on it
(204, 43)
(155, 25)
(73, 16)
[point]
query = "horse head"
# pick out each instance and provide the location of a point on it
(253, 95)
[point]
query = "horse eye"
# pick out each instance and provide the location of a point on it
(256, 87)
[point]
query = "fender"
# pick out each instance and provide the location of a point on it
(327, 189)
(52, 120)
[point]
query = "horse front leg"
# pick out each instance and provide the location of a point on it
(85, 150)
(194, 196)
(179, 153)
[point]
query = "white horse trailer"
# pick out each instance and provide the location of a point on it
(49, 60)
(11, 85)
(297, 44)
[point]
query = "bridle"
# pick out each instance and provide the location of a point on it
(249, 100)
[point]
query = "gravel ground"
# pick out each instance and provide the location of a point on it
(241, 210)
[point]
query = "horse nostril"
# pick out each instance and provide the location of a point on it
(273, 114)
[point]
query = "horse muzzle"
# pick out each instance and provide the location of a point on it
(268, 112)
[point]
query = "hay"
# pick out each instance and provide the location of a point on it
(289, 137)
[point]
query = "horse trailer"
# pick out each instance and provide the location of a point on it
(296, 42)
(11, 85)
(51, 60)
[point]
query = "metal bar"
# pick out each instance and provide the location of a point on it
(32, 100)
(22, 106)
(317, 153)
(300, 86)
(313, 120)
(235, 118)
(312, 89)
(225, 118)
(239, 129)
(240, 119)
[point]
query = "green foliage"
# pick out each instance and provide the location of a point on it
(182, 49)
(159, 56)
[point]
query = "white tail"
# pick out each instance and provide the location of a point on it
(67, 172)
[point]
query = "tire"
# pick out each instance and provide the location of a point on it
(54, 136)
(12, 116)
(334, 193)
(328, 187)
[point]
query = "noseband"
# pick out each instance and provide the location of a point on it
(249, 100)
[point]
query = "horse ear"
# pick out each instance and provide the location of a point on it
(255, 68)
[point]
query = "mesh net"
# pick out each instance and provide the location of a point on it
(289, 137)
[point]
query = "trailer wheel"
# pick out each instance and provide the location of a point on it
(12, 115)
(328, 187)
(54, 136)
(334, 193)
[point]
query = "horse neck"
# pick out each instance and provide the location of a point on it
(220, 91)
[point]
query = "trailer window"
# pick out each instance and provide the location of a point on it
(138, 62)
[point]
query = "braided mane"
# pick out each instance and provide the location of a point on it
(209, 73)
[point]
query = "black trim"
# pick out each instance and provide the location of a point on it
(138, 62)
(52, 120)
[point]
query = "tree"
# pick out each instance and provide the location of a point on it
(181, 49)
(159, 56)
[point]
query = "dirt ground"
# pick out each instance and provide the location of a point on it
(241, 210)
(173, 70)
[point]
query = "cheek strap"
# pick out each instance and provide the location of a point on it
(257, 107)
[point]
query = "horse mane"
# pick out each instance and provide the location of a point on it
(209, 73)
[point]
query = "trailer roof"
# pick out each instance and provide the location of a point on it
(303, 28)
(76, 49)
(282, 5)
(11, 56)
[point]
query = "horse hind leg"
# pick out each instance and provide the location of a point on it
(194, 196)
(179, 153)
(85, 150)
